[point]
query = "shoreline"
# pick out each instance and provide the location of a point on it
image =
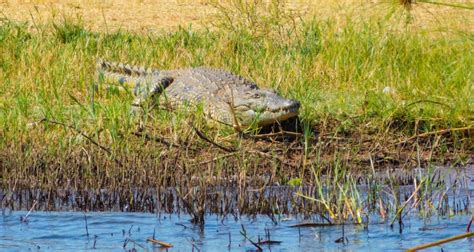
(374, 93)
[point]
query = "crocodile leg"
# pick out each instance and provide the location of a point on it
(148, 88)
(144, 83)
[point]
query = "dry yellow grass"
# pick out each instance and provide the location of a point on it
(146, 16)
(113, 15)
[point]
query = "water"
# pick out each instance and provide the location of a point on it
(108, 231)
(115, 230)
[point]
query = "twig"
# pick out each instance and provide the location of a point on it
(25, 218)
(134, 242)
(87, 228)
(181, 224)
(343, 239)
(193, 245)
(161, 243)
(205, 138)
(82, 134)
(439, 242)
(269, 242)
(468, 228)
(427, 101)
(438, 132)
(244, 234)
(95, 242)
(299, 234)
(281, 133)
(156, 139)
(130, 230)
(399, 212)
(79, 132)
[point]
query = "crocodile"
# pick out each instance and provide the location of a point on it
(226, 97)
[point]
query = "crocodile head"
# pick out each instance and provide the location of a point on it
(263, 107)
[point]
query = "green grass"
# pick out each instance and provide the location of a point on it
(336, 72)
(339, 73)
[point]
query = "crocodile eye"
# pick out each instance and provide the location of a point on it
(256, 96)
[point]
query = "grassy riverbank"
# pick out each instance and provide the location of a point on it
(373, 91)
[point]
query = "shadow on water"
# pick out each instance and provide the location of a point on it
(271, 219)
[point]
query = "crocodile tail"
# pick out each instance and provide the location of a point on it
(140, 86)
(126, 69)
(119, 79)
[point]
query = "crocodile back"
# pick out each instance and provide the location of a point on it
(216, 89)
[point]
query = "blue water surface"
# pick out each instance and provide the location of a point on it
(118, 231)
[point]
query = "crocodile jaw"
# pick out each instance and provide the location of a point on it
(268, 114)
(271, 117)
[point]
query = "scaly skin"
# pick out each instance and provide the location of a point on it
(227, 98)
